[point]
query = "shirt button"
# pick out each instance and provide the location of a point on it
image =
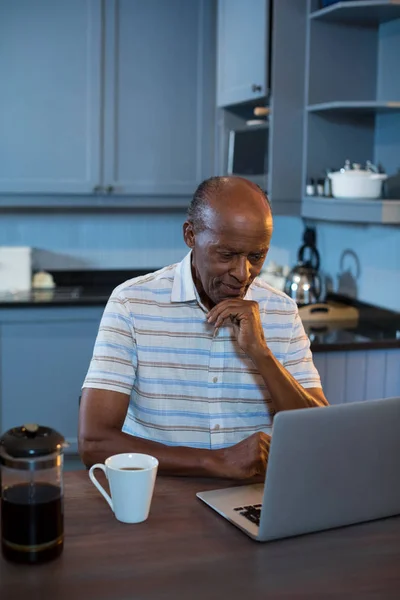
(215, 379)
(216, 427)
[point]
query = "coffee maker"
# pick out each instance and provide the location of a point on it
(31, 486)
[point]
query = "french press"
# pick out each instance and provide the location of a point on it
(31, 485)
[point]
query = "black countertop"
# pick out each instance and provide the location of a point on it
(376, 328)
(73, 288)
(59, 296)
(362, 337)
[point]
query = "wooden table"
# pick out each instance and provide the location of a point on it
(186, 551)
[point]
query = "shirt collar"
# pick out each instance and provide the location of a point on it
(183, 288)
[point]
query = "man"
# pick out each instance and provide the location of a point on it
(192, 362)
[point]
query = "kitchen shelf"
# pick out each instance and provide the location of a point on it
(352, 210)
(364, 108)
(370, 13)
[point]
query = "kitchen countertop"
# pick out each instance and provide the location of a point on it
(73, 288)
(60, 296)
(359, 338)
(377, 328)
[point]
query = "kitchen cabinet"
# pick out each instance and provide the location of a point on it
(44, 357)
(282, 49)
(359, 375)
(111, 97)
(242, 51)
(159, 105)
(50, 60)
(352, 101)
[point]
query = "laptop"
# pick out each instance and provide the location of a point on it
(328, 467)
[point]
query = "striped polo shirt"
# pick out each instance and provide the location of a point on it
(188, 384)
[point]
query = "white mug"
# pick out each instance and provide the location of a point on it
(131, 478)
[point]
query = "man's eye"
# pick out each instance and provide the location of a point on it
(226, 255)
(256, 257)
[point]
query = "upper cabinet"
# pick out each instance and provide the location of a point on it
(159, 95)
(286, 120)
(256, 44)
(242, 51)
(113, 97)
(50, 60)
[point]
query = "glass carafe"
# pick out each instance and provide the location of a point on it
(31, 485)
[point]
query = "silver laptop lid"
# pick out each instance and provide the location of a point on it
(332, 466)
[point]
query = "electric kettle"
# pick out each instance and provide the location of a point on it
(304, 283)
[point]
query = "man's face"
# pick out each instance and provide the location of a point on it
(226, 258)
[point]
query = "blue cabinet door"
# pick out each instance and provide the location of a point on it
(159, 96)
(50, 64)
(242, 50)
(44, 356)
(359, 375)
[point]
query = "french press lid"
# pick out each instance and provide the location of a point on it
(31, 441)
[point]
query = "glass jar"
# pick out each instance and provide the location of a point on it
(31, 486)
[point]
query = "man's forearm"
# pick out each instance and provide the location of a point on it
(173, 460)
(286, 392)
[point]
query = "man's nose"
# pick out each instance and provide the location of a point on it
(241, 270)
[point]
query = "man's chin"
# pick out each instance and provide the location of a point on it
(231, 296)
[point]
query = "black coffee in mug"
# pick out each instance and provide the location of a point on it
(131, 469)
(32, 522)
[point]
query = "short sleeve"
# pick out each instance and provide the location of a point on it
(114, 362)
(298, 360)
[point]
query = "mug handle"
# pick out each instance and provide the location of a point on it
(97, 484)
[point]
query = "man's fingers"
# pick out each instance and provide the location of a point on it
(222, 317)
(221, 320)
(265, 446)
(234, 307)
(265, 438)
(265, 451)
(225, 312)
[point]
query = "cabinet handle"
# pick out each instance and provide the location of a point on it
(256, 88)
(109, 189)
(97, 189)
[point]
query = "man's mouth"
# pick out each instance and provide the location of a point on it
(232, 290)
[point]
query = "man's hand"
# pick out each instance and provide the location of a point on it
(101, 417)
(245, 317)
(248, 458)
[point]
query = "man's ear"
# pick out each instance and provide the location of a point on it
(188, 234)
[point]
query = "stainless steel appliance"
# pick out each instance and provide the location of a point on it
(304, 283)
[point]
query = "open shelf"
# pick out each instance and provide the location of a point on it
(370, 13)
(355, 106)
(351, 210)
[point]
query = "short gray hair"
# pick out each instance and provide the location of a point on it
(210, 187)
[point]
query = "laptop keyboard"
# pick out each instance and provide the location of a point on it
(252, 512)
